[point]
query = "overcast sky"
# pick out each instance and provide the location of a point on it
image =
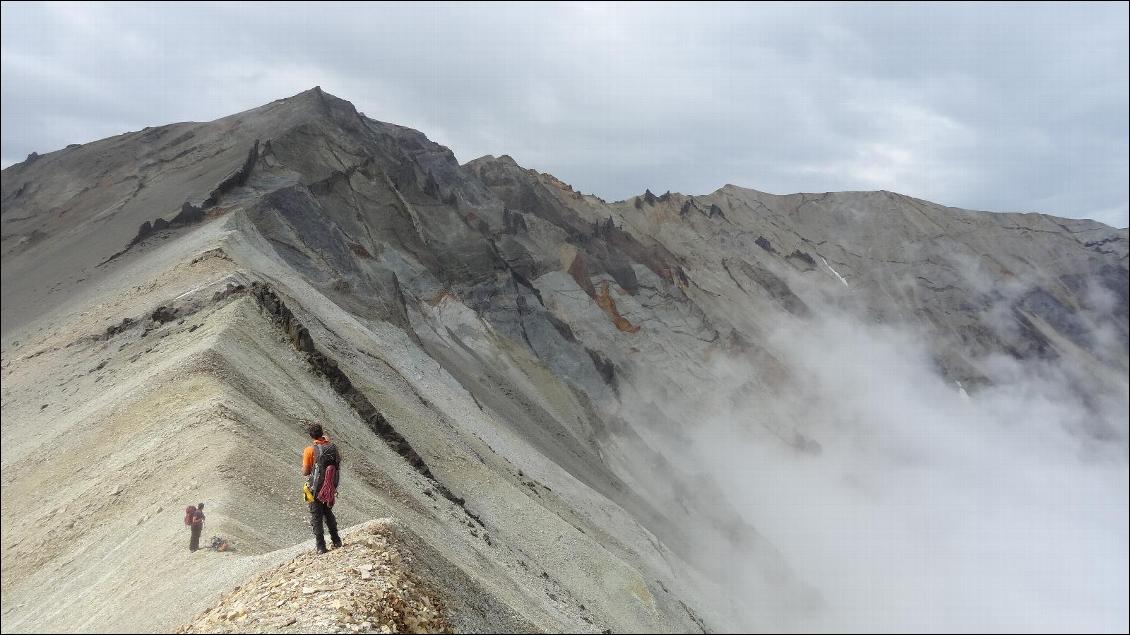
(1005, 107)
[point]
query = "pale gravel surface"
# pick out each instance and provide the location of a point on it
(366, 586)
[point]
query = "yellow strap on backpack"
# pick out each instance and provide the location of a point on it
(307, 495)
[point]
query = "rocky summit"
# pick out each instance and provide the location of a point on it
(524, 376)
(368, 585)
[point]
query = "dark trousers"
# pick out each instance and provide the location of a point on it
(194, 537)
(318, 512)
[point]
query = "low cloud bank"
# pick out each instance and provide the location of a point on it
(904, 502)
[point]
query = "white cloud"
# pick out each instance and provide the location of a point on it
(925, 509)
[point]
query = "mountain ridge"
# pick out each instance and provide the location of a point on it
(324, 102)
(521, 371)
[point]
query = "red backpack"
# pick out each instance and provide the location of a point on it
(189, 513)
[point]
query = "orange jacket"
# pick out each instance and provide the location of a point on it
(308, 456)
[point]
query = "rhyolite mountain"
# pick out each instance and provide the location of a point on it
(498, 354)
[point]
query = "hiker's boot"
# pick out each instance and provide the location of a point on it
(321, 548)
(337, 542)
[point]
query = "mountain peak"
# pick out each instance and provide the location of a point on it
(513, 367)
(315, 99)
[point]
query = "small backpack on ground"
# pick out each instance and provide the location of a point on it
(189, 514)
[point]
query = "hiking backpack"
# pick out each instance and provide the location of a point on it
(189, 514)
(325, 455)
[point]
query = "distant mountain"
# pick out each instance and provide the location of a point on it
(510, 366)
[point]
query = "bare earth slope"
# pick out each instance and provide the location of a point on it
(486, 344)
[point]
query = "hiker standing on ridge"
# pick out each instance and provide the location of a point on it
(194, 518)
(321, 464)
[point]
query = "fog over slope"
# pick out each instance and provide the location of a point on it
(736, 410)
(924, 508)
